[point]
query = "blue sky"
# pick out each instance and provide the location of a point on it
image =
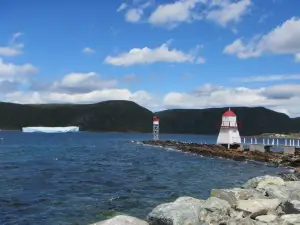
(158, 53)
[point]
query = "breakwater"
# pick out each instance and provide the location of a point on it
(211, 150)
(260, 201)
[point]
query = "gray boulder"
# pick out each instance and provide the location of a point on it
(183, 211)
(234, 194)
(266, 218)
(290, 219)
(213, 204)
(255, 205)
(262, 181)
(292, 185)
(291, 207)
(122, 220)
(275, 191)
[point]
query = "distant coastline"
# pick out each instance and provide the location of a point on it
(129, 117)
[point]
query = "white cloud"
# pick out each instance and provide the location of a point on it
(77, 83)
(241, 50)
(79, 88)
(284, 39)
(12, 72)
(133, 15)
(12, 48)
(148, 56)
(222, 12)
(88, 50)
(174, 13)
(122, 7)
(141, 97)
(228, 12)
(297, 57)
(280, 98)
(276, 77)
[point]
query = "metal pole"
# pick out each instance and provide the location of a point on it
(256, 141)
(285, 142)
(290, 142)
(268, 141)
(263, 141)
(277, 141)
(155, 129)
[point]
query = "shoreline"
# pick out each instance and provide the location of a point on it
(261, 200)
(212, 150)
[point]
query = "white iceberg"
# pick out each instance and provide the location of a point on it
(50, 129)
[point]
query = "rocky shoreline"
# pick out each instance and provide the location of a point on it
(261, 200)
(211, 150)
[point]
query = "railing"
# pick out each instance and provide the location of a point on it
(271, 141)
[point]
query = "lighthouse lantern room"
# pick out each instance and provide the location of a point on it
(229, 133)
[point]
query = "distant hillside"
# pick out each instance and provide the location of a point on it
(124, 116)
(127, 116)
(256, 120)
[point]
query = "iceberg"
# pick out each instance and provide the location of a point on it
(50, 129)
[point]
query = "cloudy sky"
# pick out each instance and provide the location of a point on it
(159, 53)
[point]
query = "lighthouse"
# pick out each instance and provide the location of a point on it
(229, 133)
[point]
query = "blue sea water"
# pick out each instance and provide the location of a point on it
(81, 178)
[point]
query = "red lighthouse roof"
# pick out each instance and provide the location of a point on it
(229, 113)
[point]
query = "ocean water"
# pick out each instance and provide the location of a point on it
(81, 178)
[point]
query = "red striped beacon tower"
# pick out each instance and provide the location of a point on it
(155, 128)
(229, 132)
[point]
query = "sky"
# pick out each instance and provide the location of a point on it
(161, 54)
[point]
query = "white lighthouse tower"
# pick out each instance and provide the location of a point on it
(229, 133)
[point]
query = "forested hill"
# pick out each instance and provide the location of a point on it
(256, 120)
(127, 116)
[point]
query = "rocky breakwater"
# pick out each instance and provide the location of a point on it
(211, 150)
(260, 201)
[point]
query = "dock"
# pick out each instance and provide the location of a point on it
(263, 144)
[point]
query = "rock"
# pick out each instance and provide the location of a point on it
(189, 200)
(244, 221)
(291, 207)
(266, 218)
(271, 180)
(290, 177)
(255, 205)
(122, 220)
(293, 185)
(275, 191)
(258, 213)
(262, 181)
(213, 204)
(184, 210)
(232, 195)
(290, 219)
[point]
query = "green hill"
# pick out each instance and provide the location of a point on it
(256, 120)
(124, 116)
(127, 116)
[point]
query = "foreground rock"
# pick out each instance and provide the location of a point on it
(276, 158)
(122, 220)
(262, 200)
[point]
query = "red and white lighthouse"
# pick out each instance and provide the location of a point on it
(155, 128)
(229, 133)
